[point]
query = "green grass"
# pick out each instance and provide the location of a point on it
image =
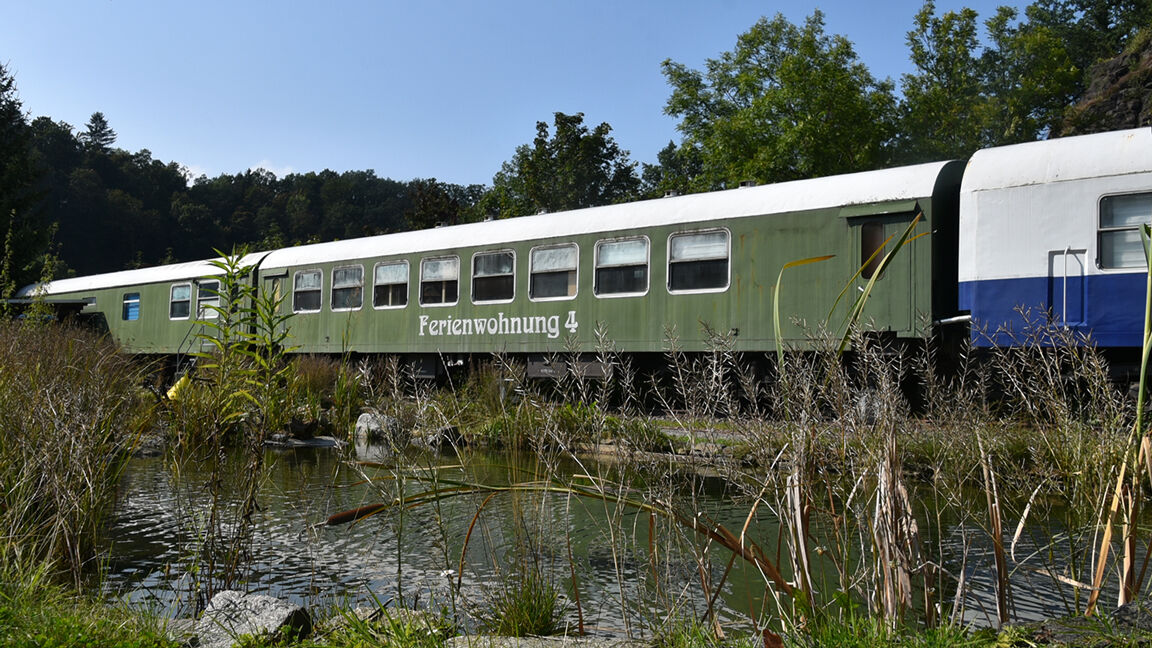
(395, 630)
(36, 614)
(525, 605)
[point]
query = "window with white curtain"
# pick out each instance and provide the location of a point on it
(180, 305)
(439, 281)
(306, 287)
(698, 261)
(347, 288)
(390, 285)
(621, 267)
(493, 276)
(208, 299)
(553, 272)
(1119, 233)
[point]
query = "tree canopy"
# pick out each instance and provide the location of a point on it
(791, 101)
(23, 231)
(570, 168)
(99, 136)
(788, 102)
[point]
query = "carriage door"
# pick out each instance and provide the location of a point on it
(890, 304)
(1066, 286)
(274, 287)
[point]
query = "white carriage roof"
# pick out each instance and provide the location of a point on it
(1063, 159)
(159, 274)
(902, 183)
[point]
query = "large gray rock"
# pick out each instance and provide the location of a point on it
(232, 614)
(373, 426)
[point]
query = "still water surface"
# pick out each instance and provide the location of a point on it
(599, 552)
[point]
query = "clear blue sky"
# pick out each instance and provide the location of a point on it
(415, 88)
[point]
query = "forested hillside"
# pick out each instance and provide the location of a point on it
(114, 209)
(788, 101)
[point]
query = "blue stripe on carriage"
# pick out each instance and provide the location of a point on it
(1107, 307)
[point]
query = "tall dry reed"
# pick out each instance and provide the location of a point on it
(70, 413)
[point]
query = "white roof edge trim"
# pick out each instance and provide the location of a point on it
(175, 272)
(885, 185)
(1065, 159)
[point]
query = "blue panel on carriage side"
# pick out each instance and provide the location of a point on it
(1067, 296)
(1111, 305)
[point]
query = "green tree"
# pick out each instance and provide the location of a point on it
(945, 107)
(571, 168)
(98, 135)
(1032, 77)
(21, 198)
(788, 102)
(440, 203)
(1090, 29)
(1052, 53)
(674, 171)
(1016, 88)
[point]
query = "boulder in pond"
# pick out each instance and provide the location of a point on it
(373, 426)
(231, 615)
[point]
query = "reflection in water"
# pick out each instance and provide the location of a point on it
(152, 539)
(625, 580)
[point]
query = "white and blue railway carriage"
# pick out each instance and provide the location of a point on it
(1051, 229)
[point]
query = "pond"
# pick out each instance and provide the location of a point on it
(621, 570)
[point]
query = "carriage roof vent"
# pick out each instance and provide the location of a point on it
(671, 193)
(747, 183)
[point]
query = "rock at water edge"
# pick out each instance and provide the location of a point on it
(232, 614)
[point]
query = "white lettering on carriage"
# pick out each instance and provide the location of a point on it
(499, 325)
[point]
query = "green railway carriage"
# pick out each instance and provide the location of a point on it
(546, 283)
(149, 310)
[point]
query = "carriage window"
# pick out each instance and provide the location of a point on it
(131, 310)
(208, 300)
(621, 267)
(390, 285)
(493, 277)
(1120, 220)
(552, 272)
(871, 247)
(180, 306)
(347, 288)
(306, 291)
(439, 280)
(698, 261)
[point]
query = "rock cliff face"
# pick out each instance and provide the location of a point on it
(1119, 93)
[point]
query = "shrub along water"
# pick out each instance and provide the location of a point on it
(70, 412)
(241, 394)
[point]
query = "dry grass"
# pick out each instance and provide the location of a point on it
(69, 414)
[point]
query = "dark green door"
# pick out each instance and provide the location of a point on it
(889, 306)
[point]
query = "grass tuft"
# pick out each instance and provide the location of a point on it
(524, 606)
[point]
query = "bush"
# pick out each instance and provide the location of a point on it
(67, 405)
